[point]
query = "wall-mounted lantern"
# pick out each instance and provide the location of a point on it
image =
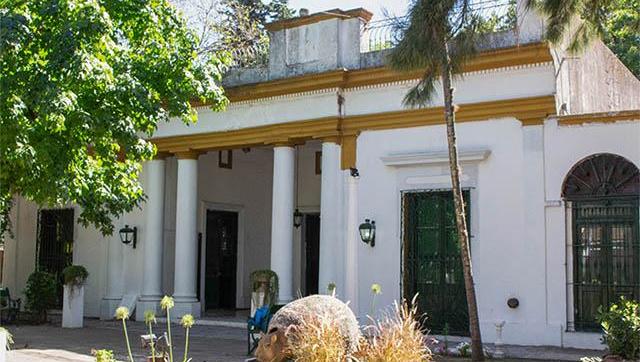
(129, 235)
(368, 232)
(297, 218)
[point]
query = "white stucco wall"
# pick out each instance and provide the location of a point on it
(517, 221)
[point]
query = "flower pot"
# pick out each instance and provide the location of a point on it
(73, 306)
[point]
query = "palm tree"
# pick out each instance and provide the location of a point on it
(439, 37)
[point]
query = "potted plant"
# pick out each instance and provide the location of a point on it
(74, 277)
(265, 281)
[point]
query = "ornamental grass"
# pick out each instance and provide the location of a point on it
(318, 339)
(396, 337)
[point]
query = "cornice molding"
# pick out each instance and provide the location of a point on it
(439, 157)
(529, 54)
(530, 111)
(361, 13)
(601, 117)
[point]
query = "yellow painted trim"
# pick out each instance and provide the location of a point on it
(530, 111)
(318, 17)
(348, 152)
(602, 117)
(281, 133)
(514, 56)
(187, 155)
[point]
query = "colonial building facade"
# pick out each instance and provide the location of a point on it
(549, 145)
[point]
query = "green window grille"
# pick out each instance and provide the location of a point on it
(603, 194)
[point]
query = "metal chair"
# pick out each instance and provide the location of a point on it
(9, 308)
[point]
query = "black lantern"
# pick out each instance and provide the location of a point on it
(368, 232)
(129, 235)
(297, 218)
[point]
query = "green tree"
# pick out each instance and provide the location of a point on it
(235, 25)
(82, 82)
(622, 33)
(439, 37)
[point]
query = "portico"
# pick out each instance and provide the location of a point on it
(262, 186)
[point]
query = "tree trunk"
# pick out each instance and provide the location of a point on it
(477, 353)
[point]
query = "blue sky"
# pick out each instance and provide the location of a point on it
(397, 7)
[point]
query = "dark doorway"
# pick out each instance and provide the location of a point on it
(312, 252)
(221, 259)
(432, 261)
(54, 247)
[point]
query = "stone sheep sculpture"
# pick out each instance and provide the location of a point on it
(273, 345)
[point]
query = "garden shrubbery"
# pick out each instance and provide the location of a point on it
(621, 328)
(41, 293)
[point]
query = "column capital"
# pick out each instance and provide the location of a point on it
(161, 156)
(188, 155)
(332, 139)
(289, 144)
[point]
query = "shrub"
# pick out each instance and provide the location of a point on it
(41, 294)
(75, 275)
(621, 327)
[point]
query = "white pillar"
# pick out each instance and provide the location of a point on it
(282, 220)
(114, 278)
(186, 253)
(152, 238)
(331, 238)
(352, 241)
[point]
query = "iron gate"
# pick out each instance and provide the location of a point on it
(432, 263)
(606, 259)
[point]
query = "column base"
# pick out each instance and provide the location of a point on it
(146, 303)
(184, 306)
(108, 307)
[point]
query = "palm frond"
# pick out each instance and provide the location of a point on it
(420, 95)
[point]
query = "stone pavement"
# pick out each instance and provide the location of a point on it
(207, 344)
(52, 343)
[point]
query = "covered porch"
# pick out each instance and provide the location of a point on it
(215, 215)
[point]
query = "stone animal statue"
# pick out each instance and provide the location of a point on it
(273, 345)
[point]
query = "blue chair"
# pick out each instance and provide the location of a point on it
(258, 324)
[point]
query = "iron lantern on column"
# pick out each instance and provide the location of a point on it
(129, 235)
(368, 232)
(297, 218)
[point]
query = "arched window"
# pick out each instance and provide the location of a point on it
(602, 194)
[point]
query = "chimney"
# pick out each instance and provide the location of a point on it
(315, 43)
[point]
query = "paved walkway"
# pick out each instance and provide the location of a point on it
(52, 343)
(207, 344)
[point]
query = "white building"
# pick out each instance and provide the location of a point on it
(549, 145)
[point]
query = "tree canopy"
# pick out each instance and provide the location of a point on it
(622, 33)
(82, 84)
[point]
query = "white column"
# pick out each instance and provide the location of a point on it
(114, 277)
(186, 252)
(352, 241)
(152, 238)
(331, 241)
(282, 220)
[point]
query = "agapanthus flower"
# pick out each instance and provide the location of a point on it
(122, 313)
(149, 317)
(376, 288)
(187, 321)
(166, 302)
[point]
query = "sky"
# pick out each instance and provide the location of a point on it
(395, 7)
